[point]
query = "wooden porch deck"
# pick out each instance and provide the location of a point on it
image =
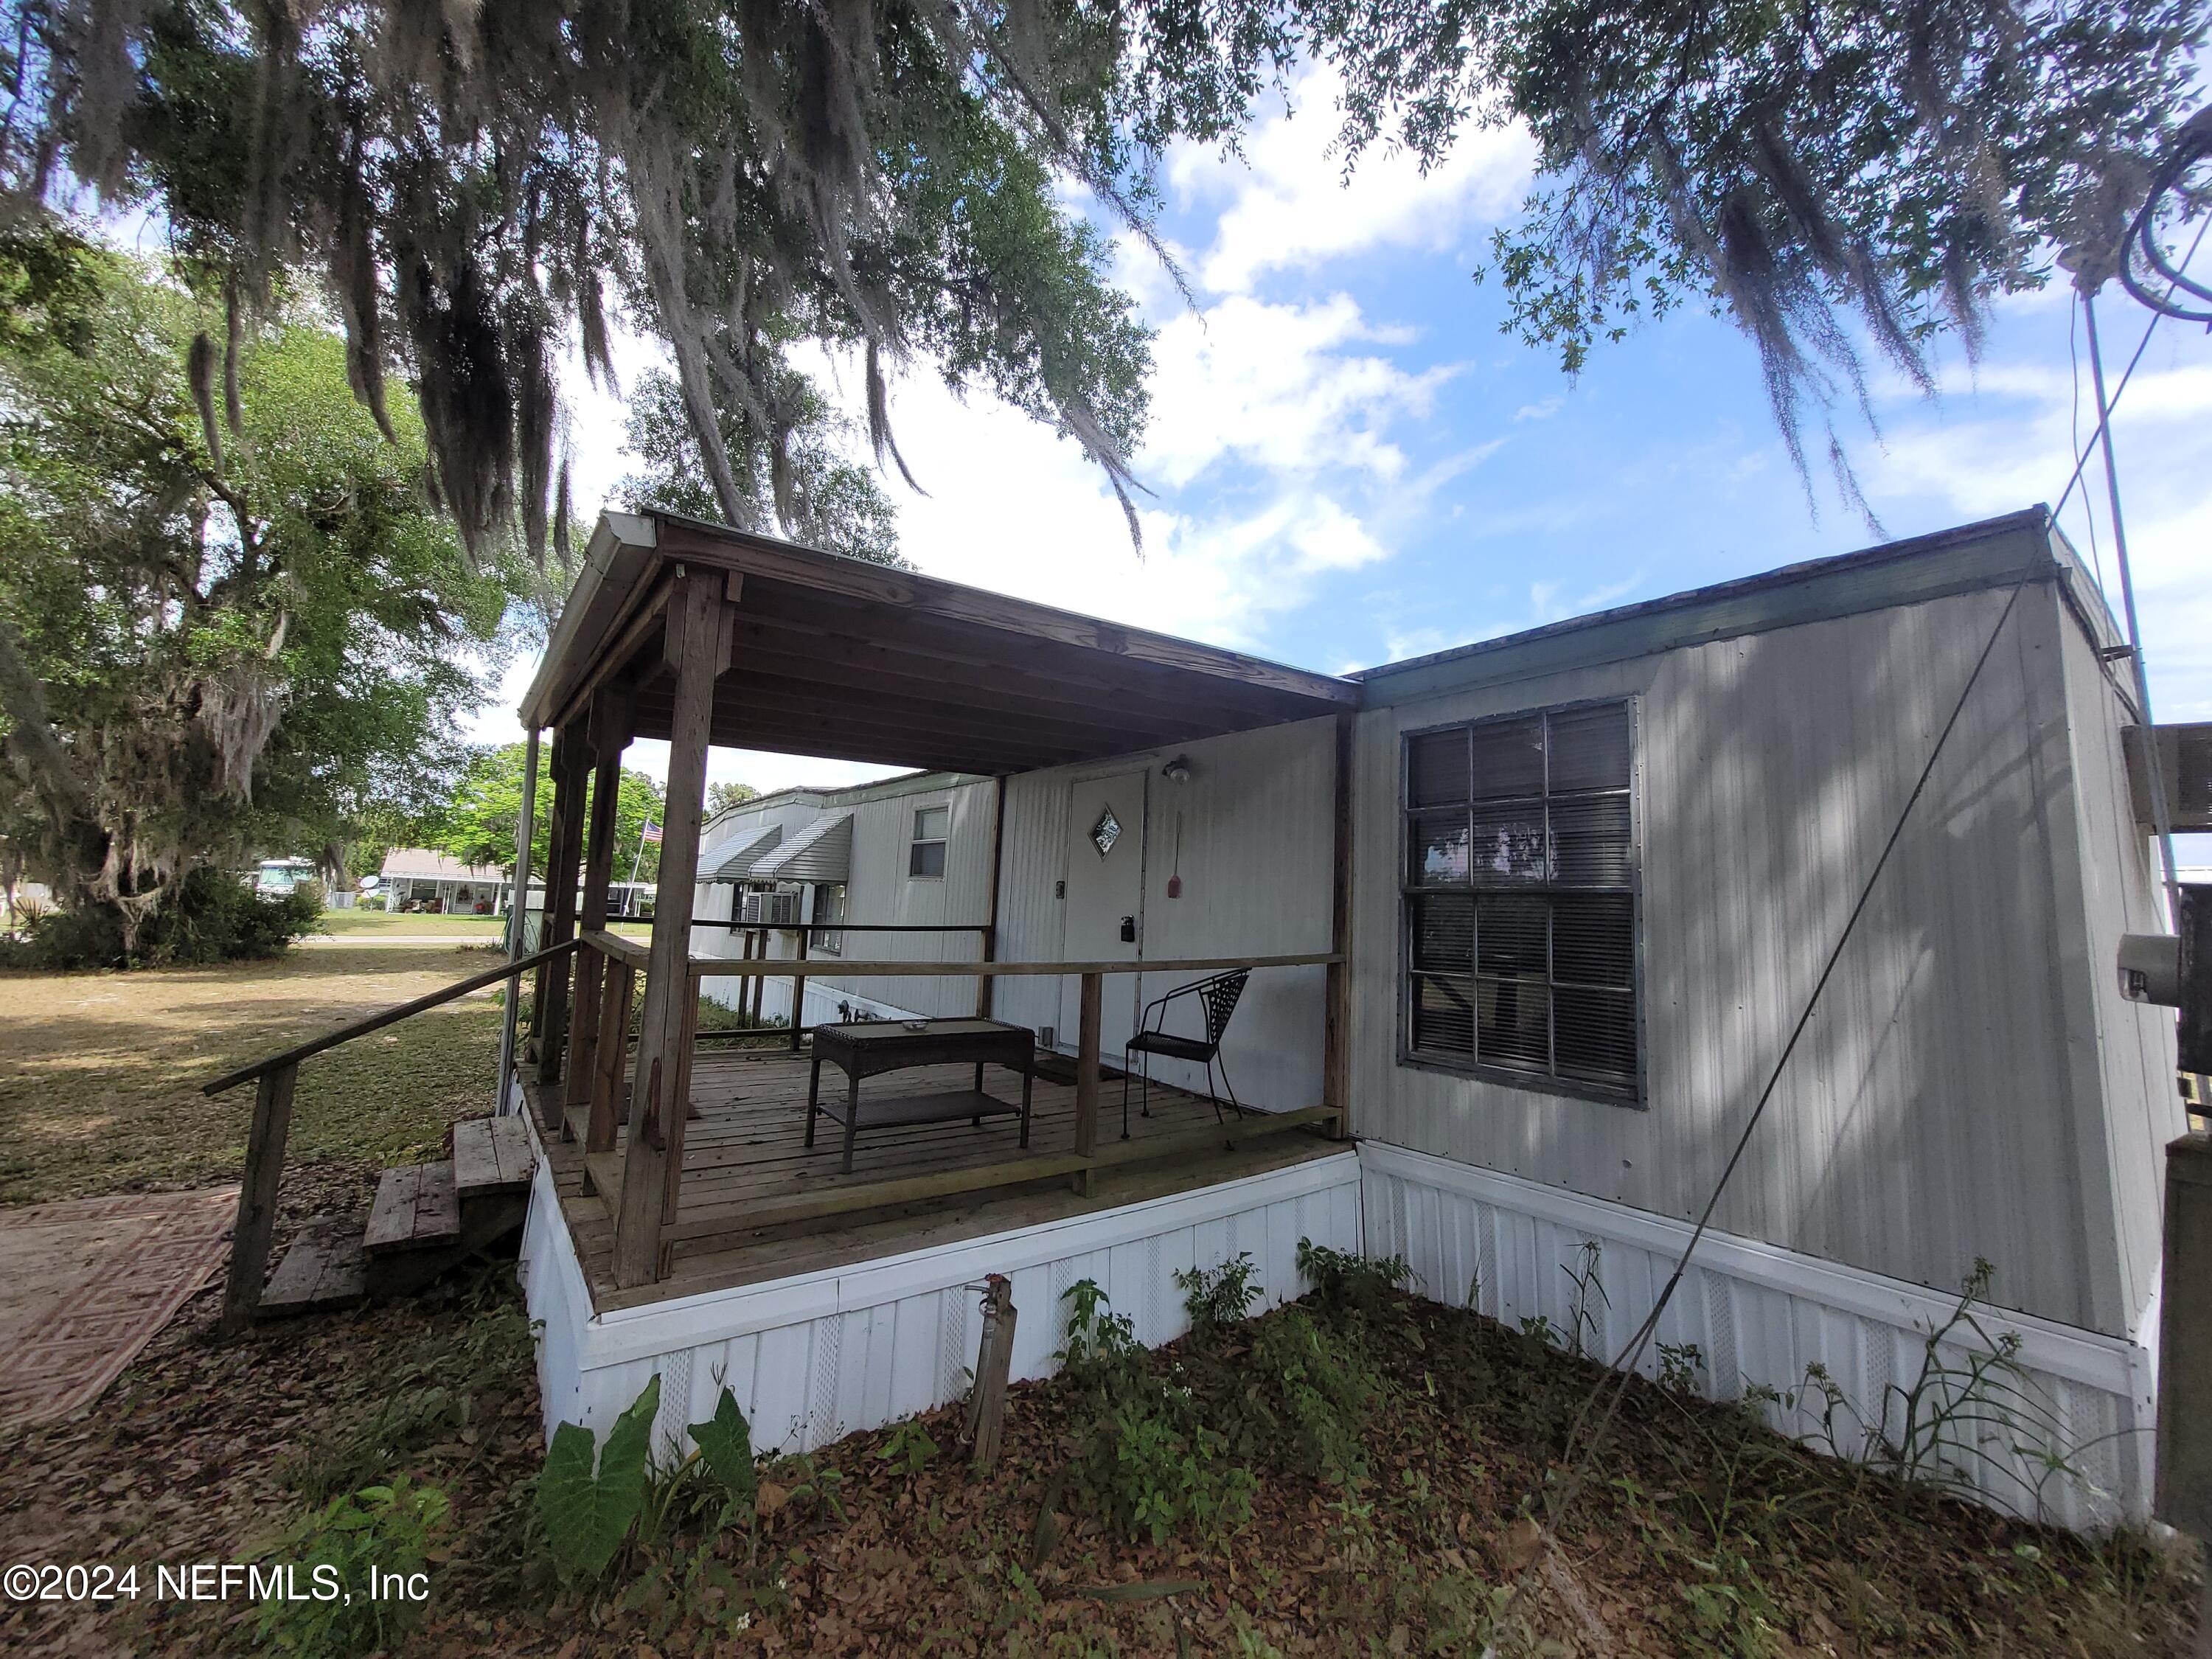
(749, 1205)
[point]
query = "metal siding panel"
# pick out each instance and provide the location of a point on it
(1257, 856)
(2129, 1047)
(1919, 1124)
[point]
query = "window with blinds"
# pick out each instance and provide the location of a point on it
(1520, 898)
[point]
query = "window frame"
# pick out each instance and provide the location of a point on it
(916, 840)
(830, 943)
(1637, 1096)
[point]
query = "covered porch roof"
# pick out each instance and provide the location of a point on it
(838, 659)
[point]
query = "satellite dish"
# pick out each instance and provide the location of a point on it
(368, 883)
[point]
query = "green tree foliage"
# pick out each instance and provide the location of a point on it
(476, 824)
(879, 174)
(829, 503)
(883, 174)
(205, 650)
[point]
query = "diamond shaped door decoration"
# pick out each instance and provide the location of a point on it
(1105, 832)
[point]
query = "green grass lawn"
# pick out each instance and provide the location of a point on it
(101, 1073)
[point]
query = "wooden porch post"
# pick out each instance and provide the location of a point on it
(797, 990)
(611, 1056)
(564, 852)
(984, 993)
(697, 646)
(518, 919)
(257, 1199)
(1336, 1021)
(609, 729)
(1086, 1074)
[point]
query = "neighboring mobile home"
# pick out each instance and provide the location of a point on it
(1529, 924)
(417, 879)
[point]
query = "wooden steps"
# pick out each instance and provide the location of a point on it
(324, 1269)
(417, 1207)
(426, 1218)
(491, 1155)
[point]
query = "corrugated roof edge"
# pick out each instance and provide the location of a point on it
(1774, 598)
(845, 794)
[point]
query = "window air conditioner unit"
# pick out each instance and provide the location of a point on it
(770, 910)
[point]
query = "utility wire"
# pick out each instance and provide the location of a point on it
(1623, 1368)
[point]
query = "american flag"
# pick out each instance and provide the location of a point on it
(651, 832)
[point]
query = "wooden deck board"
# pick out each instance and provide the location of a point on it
(745, 1156)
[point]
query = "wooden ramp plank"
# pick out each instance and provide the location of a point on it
(437, 1205)
(417, 1206)
(476, 1160)
(392, 1217)
(491, 1155)
(518, 1157)
(324, 1269)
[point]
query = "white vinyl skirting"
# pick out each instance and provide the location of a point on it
(820, 1355)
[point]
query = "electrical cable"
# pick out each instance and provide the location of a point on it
(1623, 1368)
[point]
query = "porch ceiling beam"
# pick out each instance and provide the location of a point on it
(923, 596)
(991, 661)
(746, 711)
(858, 666)
(646, 620)
(797, 691)
(814, 742)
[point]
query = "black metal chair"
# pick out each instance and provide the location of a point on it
(1218, 998)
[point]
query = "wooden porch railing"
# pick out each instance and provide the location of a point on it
(272, 1124)
(645, 1200)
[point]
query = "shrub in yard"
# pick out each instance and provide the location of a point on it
(1149, 1464)
(1347, 1281)
(1321, 1387)
(1218, 1297)
(213, 917)
(622, 1528)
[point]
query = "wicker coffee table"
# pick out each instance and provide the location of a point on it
(868, 1049)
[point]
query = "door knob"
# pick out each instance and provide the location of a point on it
(1128, 930)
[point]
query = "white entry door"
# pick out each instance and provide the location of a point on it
(1105, 903)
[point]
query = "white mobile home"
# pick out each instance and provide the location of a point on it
(896, 870)
(1524, 928)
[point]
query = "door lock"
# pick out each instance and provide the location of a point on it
(1128, 930)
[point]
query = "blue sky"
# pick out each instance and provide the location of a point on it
(1352, 463)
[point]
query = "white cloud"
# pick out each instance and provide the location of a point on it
(1289, 208)
(1013, 508)
(1269, 386)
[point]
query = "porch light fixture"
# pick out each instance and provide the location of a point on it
(1177, 770)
